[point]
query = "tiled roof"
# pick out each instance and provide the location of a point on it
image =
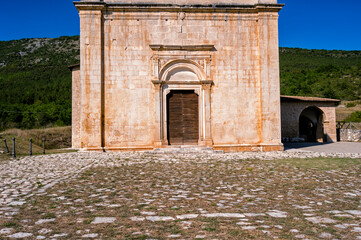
(306, 99)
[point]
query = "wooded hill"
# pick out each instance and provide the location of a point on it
(35, 82)
(321, 73)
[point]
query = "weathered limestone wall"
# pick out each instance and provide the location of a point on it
(129, 104)
(76, 108)
(245, 100)
(291, 112)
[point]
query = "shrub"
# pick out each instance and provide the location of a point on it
(351, 104)
(354, 117)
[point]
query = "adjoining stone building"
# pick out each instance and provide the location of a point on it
(309, 119)
(181, 72)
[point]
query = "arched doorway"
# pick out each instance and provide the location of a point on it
(183, 114)
(183, 102)
(311, 124)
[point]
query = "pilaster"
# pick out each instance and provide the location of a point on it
(158, 114)
(207, 135)
(270, 122)
(91, 65)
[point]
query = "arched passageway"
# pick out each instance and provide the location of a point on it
(311, 125)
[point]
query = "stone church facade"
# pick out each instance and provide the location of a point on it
(181, 72)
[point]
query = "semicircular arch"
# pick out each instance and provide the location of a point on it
(311, 112)
(181, 70)
(310, 123)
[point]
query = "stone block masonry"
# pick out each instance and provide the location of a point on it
(135, 56)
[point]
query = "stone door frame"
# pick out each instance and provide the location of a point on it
(197, 63)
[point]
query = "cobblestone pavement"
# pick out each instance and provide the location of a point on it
(20, 179)
(181, 196)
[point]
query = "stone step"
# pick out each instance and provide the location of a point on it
(186, 149)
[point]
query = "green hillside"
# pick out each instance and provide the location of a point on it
(321, 73)
(35, 82)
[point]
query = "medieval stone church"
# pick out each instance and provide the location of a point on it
(157, 73)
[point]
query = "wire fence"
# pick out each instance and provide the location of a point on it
(348, 125)
(12, 150)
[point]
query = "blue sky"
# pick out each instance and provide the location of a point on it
(312, 24)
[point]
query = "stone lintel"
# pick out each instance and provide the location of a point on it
(182, 47)
(205, 82)
(147, 7)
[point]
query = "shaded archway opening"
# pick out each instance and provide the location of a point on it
(311, 125)
(182, 117)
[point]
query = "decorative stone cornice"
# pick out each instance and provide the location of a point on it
(109, 15)
(269, 7)
(90, 5)
(151, 7)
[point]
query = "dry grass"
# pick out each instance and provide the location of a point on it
(56, 138)
(171, 189)
(342, 111)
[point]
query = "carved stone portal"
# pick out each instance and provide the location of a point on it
(173, 70)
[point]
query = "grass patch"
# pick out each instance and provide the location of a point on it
(10, 224)
(322, 163)
(49, 216)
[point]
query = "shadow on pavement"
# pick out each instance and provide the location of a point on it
(289, 146)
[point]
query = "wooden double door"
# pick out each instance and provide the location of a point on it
(182, 117)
